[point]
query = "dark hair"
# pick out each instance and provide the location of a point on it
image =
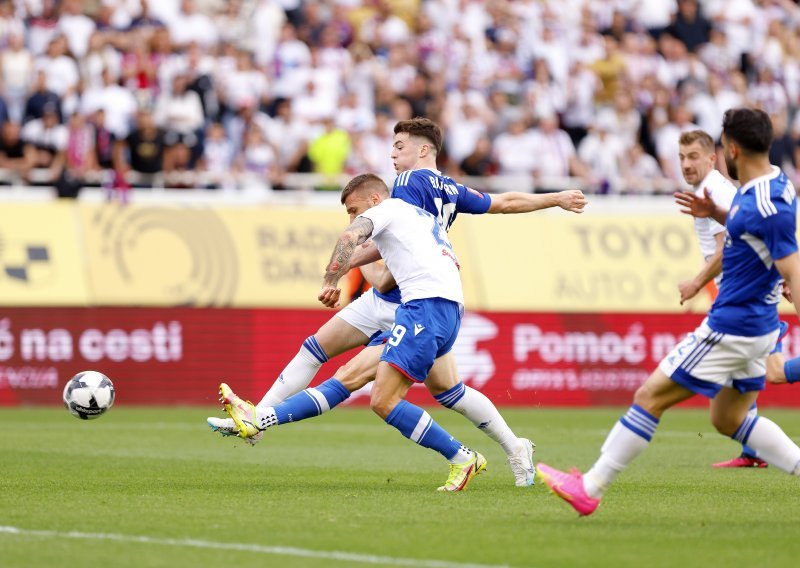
(750, 128)
(364, 180)
(423, 127)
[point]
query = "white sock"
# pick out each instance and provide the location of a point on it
(628, 438)
(463, 455)
(297, 375)
(483, 413)
(771, 443)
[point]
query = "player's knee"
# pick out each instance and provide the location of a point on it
(644, 398)
(726, 424)
(380, 405)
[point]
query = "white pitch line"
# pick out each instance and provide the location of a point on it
(257, 548)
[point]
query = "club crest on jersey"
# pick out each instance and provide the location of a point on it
(734, 211)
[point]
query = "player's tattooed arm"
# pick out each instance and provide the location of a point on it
(358, 232)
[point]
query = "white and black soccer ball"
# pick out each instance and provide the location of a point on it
(88, 395)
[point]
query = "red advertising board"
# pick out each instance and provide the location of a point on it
(179, 355)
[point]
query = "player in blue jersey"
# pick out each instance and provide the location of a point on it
(725, 358)
(416, 250)
(416, 145)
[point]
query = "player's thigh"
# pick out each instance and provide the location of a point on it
(337, 336)
(361, 369)
(659, 392)
(390, 387)
(369, 314)
(729, 409)
(443, 375)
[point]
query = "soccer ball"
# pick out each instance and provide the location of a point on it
(88, 395)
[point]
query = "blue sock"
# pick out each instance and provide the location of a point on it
(743, 431)
(305, 404)
(747, 451)
(792, 370)
(452, 396)
(417, 425)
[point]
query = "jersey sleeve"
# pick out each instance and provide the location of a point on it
(472, 201)
(777, 230)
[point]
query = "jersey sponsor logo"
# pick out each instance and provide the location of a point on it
(418, 329)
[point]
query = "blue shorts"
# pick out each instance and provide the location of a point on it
(423, 331)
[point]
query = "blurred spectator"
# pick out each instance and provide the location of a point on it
(328, 152)
(514, 150)
(45, 142)
(104, 140)
(666, 140)
(639, 171)
(603, 150)
(42, 27)
(259, 161)
(12, 148)
(179, 113)
(690, 26)
(609, 70)
(10, 25)
(480, 162)
(101, 55)
(145, 21)
(62, 73)
(142, 150)
(76, 27)
(555, 154)
(784, 151)
(80, 157)
(290, 135)
(118, 104)
(218, 158)
(16, 64)
(190, 26)
(40, 98)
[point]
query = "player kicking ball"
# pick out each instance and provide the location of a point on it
(416, 250)
(725, 358)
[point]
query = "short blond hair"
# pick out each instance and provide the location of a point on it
(700, 136)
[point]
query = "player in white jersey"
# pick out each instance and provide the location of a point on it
(415, 148)
(422, 262)
(697, 154)
(725, 358)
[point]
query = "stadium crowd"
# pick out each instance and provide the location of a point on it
(226, 94)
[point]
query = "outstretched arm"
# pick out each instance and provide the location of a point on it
(358, 232)
(789, 268)
(518, 202)
(704, 206)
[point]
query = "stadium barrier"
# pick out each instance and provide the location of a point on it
(179, 355)
(567, 309)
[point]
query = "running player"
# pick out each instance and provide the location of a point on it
(697, 157)
(725, 358)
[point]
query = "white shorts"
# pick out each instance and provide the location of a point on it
(369, 314)
(707, 360)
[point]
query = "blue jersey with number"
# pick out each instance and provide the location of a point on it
(760, 228)
(440, 196)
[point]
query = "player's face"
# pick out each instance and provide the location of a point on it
(730, 161)
(696, 162)
(358, 202)
(405, 152)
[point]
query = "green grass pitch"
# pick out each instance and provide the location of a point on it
(154, 487)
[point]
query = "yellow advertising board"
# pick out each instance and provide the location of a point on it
(41, 259)
(203, 256)
(554, 261)
(75, 254)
